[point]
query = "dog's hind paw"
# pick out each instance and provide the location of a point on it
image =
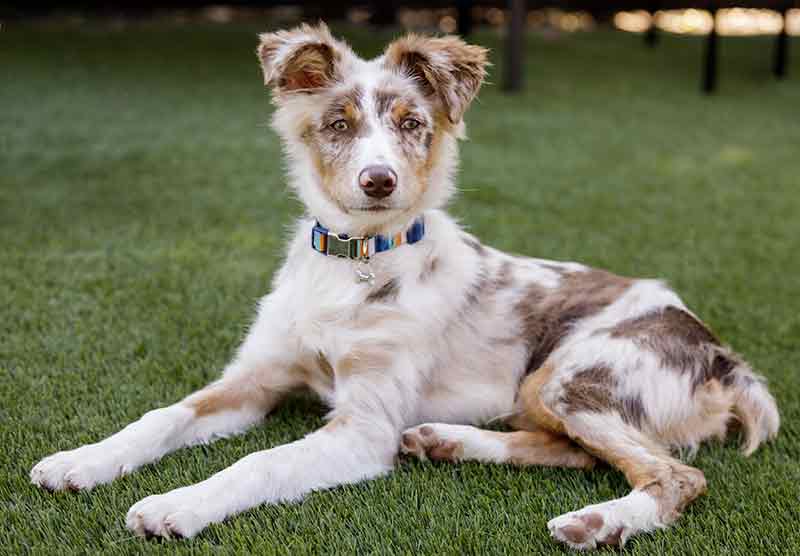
(429, 442)
(585, 531)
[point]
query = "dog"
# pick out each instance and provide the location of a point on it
(414, 332)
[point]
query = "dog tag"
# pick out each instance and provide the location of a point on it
(364, 273)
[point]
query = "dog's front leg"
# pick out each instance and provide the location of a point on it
(375, 397)
(346, 450)
(250, 388)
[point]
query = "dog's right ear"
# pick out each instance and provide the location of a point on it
(300, 60)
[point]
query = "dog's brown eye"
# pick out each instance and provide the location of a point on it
(339, 125)
(409, 123)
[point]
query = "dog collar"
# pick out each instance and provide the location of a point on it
(361, 248)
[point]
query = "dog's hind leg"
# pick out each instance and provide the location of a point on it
(586, 407)
(662, 485)
(439, 441)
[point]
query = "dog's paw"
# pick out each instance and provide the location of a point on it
(431, 441)
(584, 530)
(610, 523)
(171, 516)
(79, 469)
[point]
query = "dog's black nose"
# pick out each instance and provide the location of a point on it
(377, 181)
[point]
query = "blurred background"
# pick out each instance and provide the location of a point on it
(711, 18)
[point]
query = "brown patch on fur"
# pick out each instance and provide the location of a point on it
(387, 292)
(554, 268)
(590, 390)
(477, 290)
(229, 397)
(632, 411)
(384, 100)
(545, 448)
(400, 110)
(217, 400)
(300, 60)
(674, 492)
(448, 450)
(366, 358)
(592, 521)
(547, 316)
(534, 413)
(324, 365)
(683, 344)
(505, 276)
(474, 244)
(575, 533)
(444, 67)
(594, 390)
(669, 321)
(613, 538)
(424, 443)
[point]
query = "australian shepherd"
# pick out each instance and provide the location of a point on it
(415, 333)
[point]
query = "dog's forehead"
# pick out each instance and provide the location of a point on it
(375, 83)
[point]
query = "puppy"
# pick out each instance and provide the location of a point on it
(414, 332)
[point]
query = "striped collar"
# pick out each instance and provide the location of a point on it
(361, 248)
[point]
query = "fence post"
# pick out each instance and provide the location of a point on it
(515, 45)
(781, 61)
(464, 8)
(710, 63)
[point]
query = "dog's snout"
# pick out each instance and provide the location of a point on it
(377, 181)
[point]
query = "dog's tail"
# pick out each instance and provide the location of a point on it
(755, 408)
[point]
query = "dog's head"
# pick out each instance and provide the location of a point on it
(371, 143)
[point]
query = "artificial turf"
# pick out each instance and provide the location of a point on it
(143, 212)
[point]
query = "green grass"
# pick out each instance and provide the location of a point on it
(143, 211)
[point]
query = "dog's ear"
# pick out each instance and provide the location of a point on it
(300, 60)
(445, 67)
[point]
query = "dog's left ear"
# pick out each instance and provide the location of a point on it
(445, 67)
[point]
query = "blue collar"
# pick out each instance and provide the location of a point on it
(361, 248)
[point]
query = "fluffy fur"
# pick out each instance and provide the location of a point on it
(452, 334)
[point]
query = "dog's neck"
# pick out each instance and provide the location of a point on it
(364, 228)
(362, 248)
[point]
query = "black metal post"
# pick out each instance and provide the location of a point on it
(781, 61)
(651, 35)
(384, 12)
(515, 45)
(710, 65)
(464, 8)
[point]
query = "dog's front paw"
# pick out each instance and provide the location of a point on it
(171, 516)
(431, 441)
(79, 469)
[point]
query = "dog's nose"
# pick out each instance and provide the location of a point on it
(377, 181)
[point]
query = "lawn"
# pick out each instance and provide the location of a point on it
(143, 212)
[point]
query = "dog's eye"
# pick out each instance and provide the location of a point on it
(339, 125)
(410, 123)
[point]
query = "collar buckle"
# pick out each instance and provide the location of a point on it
(347, 247)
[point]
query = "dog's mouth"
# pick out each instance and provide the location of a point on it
(374, 208)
